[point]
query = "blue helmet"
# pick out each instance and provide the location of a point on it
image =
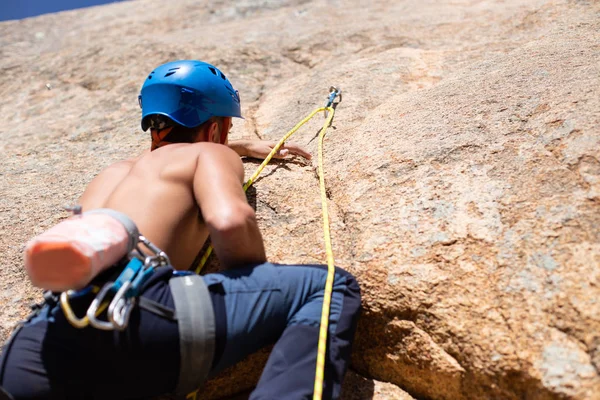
(189, 92)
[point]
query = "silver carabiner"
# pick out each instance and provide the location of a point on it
(122, 313)
(95, 309)
(117, 308)
(120, 306)
(159, 256)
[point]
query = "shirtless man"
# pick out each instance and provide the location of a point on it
(188, 188)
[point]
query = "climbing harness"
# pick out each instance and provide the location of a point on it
(329, 111)
(118, 296)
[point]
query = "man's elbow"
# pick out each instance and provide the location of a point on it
(232, 221)
(235, 236)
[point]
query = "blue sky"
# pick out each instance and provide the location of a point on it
(18, 9)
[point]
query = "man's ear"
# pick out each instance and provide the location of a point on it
(225, 126)
(214, 132)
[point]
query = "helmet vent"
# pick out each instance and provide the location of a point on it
(171, 71)
(223, 76)
(214, 71)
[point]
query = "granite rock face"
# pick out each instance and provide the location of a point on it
(463, 168)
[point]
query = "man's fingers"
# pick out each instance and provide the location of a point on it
(297, 150)
(281, 153)
(289, 149)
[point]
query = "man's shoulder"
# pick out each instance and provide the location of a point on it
(184, 150)
(122, 165)
(190, 156)
(194, 159)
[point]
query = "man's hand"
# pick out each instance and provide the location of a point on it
(261, 149)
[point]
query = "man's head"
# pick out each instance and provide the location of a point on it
(188, 101)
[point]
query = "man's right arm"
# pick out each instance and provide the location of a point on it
(231, 221)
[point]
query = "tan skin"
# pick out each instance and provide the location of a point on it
(180, 194)
(262, 148)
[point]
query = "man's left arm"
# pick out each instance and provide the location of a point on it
(261, 149)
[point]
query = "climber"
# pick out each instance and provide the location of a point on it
(188, 188)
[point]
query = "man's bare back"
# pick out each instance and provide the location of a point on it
(189, 191)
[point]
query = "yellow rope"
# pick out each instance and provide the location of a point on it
(318, 391)
(320, 369)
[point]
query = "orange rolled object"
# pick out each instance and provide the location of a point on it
(70, 254)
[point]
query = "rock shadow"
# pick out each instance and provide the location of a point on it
(356, 387)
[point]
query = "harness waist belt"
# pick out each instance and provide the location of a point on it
(196, 321)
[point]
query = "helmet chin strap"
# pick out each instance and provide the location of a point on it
(158, 136)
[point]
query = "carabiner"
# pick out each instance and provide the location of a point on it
(117, 308)
(333, 93)
(122, 312)
(160, 258)
(68, 311)
(94, 310)
(119, 296)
